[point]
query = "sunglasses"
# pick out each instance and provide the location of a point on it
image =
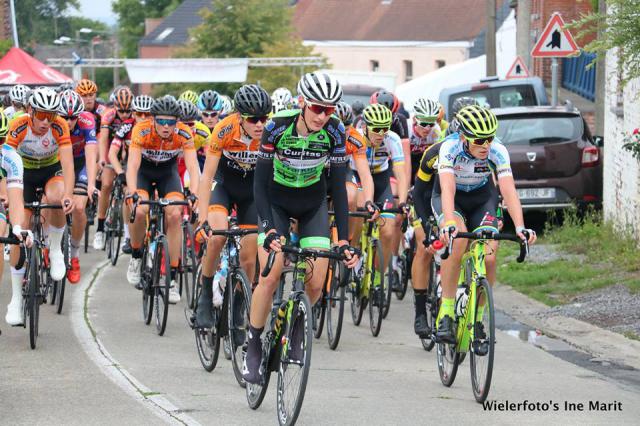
(166, 121)
(255, 119)
(124, 111)
(425, 124)
(189, 123)
(481, 141)
(45, 115)
(142, 114)
(70, 117)
(210, 114)
(319, 109)
(378, 130)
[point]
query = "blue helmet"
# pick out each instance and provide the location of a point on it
(209, 100)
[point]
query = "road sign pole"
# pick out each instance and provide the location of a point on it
(554, 82)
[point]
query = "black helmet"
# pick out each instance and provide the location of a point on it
(357, 107)
(460, 103)
(166, 105)
(345, 113)
(253, 100)
(188, 111)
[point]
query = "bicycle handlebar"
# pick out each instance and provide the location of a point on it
(303, 252)
(487, 235)
(162, 202)
(234, 232)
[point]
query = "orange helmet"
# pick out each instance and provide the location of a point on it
(86, 87)
(123, 98)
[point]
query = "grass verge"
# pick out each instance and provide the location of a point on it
(599, 256)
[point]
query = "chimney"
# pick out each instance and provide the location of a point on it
(151, 24)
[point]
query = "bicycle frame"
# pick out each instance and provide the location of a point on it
(370, 234)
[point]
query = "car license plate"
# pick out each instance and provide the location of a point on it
(536, 193)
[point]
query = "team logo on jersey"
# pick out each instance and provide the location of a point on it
(270, 125)
(145, 132)
(19, 130)
(225, 130)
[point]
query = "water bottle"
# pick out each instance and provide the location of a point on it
(461, 300)
(282, 312)
(408, 236)
(219, 281)
(439, 249)
(152, 251)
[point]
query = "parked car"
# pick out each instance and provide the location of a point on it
(554, 158)
(496, 93)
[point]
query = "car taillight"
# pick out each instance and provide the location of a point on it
(590, 198)
(590, 156)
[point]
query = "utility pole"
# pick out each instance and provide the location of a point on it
(116, 54)
(600, 81)
(490, 38)
(14, 26)
(523, 31)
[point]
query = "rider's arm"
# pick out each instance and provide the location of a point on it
(403, 183)
(511, 200)
(366, 180)
(191, 161)
(133, 165)
(12, 163)
(103, 134)
(397, 157)
(262, 176)
(114, 148)
(91, 154)
(338, 174)
(68, 175)
(406, 150)
(447, 178)
(204, 187)
(419, 200)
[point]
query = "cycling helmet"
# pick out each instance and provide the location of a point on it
(123, 98)
(320, 87)
(4, 125)
(209, 100)
(67, 85)
(281, 93)
(142, 103)
(189, 96)
(427, 110)
(377, 115)
(345, 113)
(277, 105)
(462, 102)
(357, 107)
(477, 122)
(166, 105)
(18, 93)
(71, 104)
(227, 105)
(253, 100)
(385, 98)
(44, 99)
(86, 87)
(188, 111)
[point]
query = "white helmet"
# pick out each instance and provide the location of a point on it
(142, 103)
(320, 87)
(44, 99)
(427, 109)
(18, 94)
(282, 94)
(227, 105)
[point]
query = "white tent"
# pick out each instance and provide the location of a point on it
(470, 71)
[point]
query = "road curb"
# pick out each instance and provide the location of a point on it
(604, 345)
(108, 365)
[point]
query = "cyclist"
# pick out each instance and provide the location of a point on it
(155, 146)
(189, 115)
(88, 90)
(42, 139)
(289, 183)
(231, 158)
(209, 104)
(425, 131)
(280, 99)
(227, 106)
(465, 197)
(82, 129)
(18, 95)
(189, 96)
(458, 104)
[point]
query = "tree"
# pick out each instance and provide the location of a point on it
(131, 16)
(619, 28)
(5, 45)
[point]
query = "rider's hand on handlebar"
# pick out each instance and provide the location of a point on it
(273, 241)
(523, 233)
(373, 209)
(449, 230)
(67, 204)
(349, 252)
(21, 235)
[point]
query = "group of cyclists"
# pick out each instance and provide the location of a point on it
(269, 160)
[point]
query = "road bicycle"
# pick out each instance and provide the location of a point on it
(475, 333)
(90, 210)
(286, 346)
(114, 222)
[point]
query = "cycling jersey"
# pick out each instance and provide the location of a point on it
(11, 167)
(157, 150)
(38, 151)
(356, 143)
(83, 133)
(98, 111)
(122, 136)
(472, 173)
(201, 134)
(11, 113)
(378, 156)
(237, 151)
(429, 163)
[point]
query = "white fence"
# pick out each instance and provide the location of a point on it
(621, 199)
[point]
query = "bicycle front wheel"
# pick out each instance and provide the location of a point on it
(33, 295)
(161, 283)
(189, 266)
(392, 280)
(239, 305)
(376, 293)
(483, 342)
(147, 286)
(295, 362)
(335, 303)
(432, 305)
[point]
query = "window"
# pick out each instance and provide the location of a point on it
(440, 63)
(408, 70)
(375, 65)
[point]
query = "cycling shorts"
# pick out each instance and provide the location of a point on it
(223, 199)
(162, 177)
(382, 194)
(80, 169)
(478, 208)
(40, 178)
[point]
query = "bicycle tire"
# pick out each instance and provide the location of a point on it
(116, 230)
(391, 279)
(207, 340)
(335, 304)
(239, 307)
(256, 392)
(189, 266)
(147, 287)
(300, 317)
(355, 299)
(86, 237)
(59, 286)
(407, 261)
(432, 299)
(33, 296)
(318, 312)
(377, 297)
(481, 387)
(161, 288)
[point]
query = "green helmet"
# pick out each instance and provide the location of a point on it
(377, 115)
(189, 96)
(477, 122)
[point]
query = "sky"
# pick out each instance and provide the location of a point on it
(99, 10)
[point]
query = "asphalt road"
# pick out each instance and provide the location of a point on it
(98, 363)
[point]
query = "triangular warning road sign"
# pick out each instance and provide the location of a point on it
(518, 69)
(555, 41)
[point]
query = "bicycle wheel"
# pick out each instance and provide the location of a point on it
(295, 362)
(188, 265)
(335, 303)
(483, 347)
(406, 262)
(432, 305)
(392, 280)
(256, 392)
(318, 311)
(33, 295)
(60, 285)
(207, 340)
(356, 302)
(116, 231)
(147, 285)
(161, 283)
(376, 293)
(239, 305)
